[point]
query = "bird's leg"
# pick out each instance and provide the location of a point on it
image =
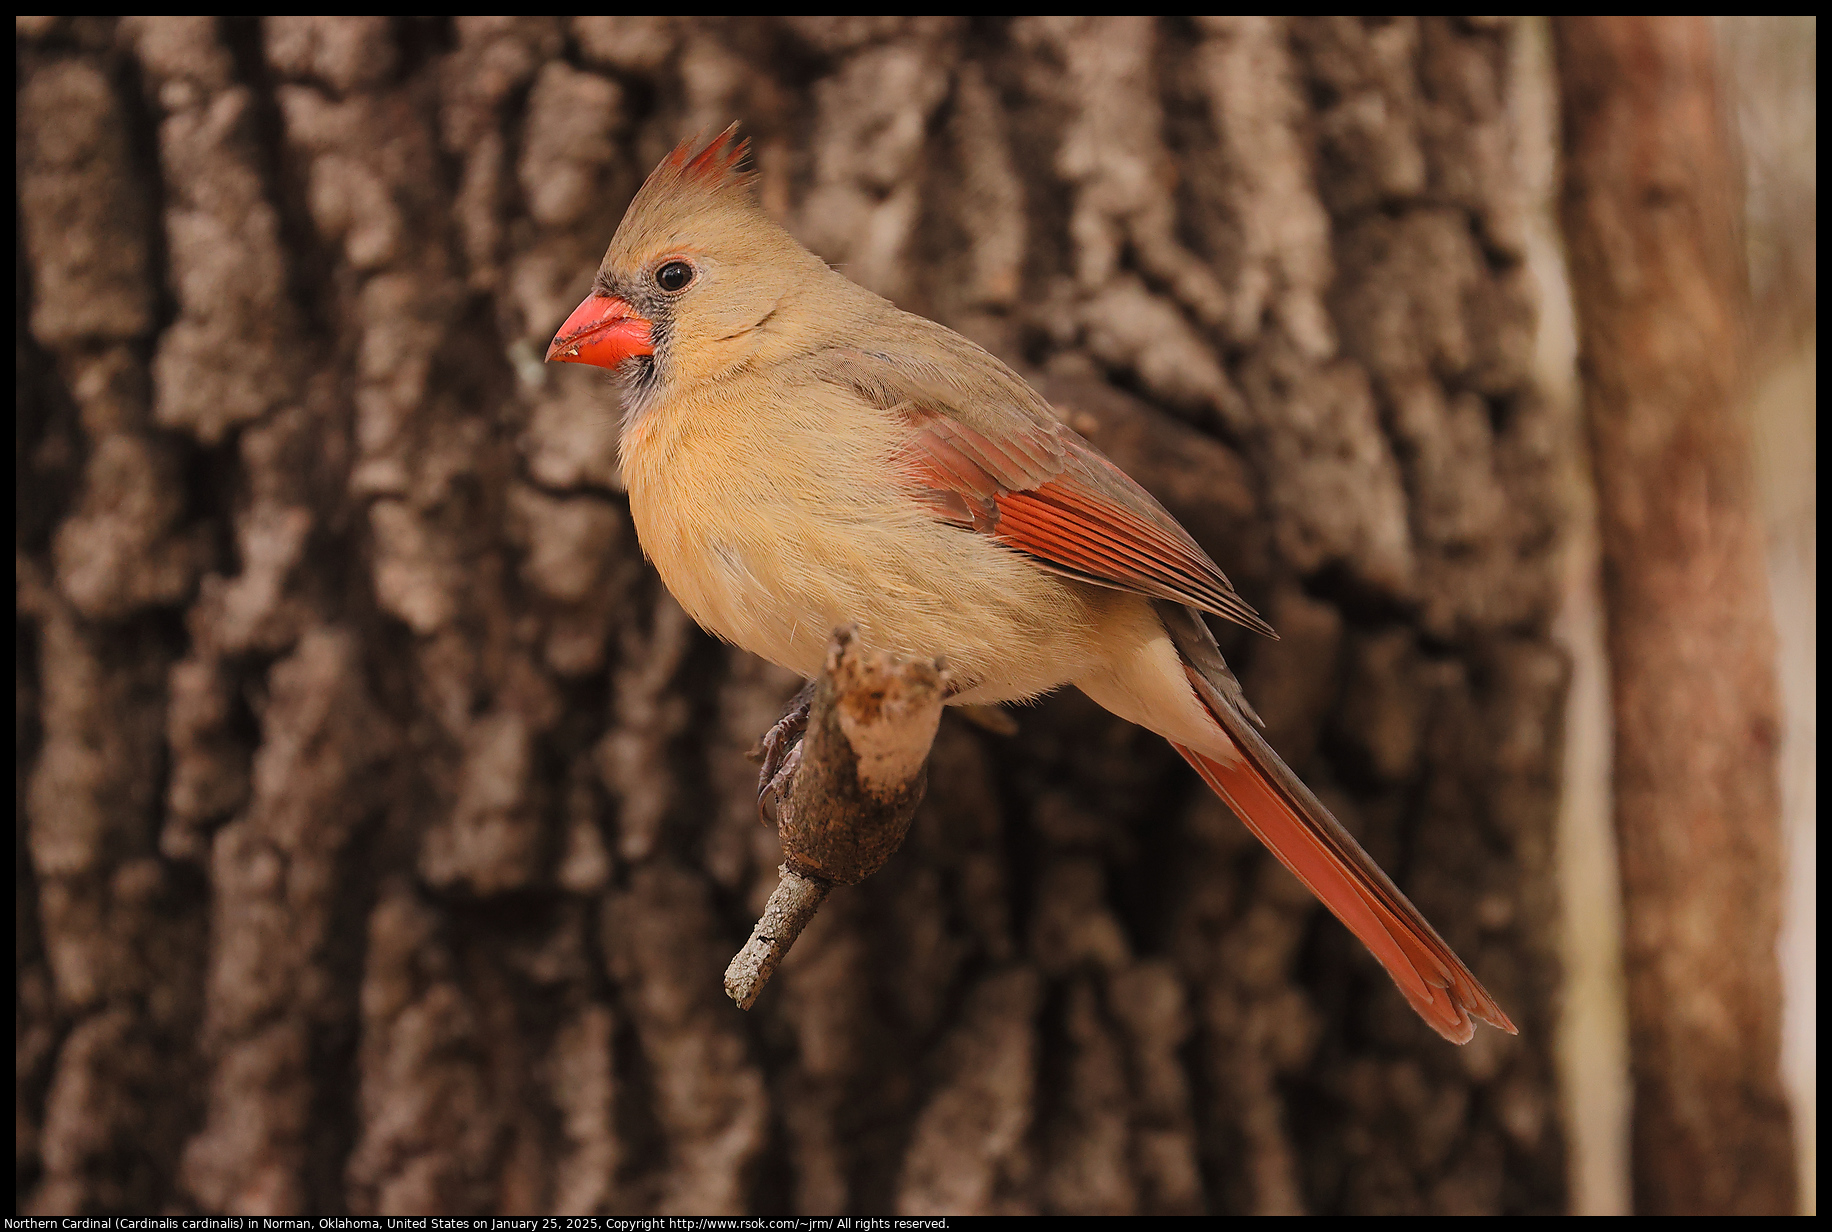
(780, 751)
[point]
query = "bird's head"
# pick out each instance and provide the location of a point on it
(694, 275)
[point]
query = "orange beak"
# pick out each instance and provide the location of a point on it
(603, 332)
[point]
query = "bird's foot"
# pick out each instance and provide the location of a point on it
(780, 752)
(772, 797)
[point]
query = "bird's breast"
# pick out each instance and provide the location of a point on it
(774, 520)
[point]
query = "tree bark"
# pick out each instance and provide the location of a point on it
(386, 829)
(1650, 217)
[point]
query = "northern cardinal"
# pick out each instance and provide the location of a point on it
(801, 454)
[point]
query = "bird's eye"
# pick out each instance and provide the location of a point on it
(674, 276)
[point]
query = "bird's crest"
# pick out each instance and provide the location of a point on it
(717, 165)
(700, 177)
(697, 165)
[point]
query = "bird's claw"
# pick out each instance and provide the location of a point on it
(777, 789)
(780, 750)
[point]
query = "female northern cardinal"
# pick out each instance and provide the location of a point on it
(801, 454)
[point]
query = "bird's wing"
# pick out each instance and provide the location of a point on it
(985, 453)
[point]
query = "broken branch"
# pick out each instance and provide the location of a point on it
(848, 806)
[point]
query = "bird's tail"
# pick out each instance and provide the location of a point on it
(1289, 819)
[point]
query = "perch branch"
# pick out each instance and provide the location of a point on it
(847, 806)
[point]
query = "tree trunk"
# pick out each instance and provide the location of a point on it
(1662, 299)
(386, 829)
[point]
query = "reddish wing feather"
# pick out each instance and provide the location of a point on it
(1050, 494)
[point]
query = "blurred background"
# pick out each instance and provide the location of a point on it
(384, 828)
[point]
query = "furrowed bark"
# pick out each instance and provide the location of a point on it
(386, 827)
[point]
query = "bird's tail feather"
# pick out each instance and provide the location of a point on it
(1289, 819)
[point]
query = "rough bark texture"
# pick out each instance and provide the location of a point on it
(385, 830)
(1658, 279)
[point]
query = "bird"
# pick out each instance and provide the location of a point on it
(800, 454)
